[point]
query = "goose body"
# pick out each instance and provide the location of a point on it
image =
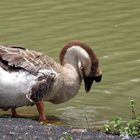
(29, 77)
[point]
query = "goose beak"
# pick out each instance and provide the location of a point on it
(89, 81)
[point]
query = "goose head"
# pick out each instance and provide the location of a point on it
(83, 58)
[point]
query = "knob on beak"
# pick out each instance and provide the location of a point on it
(98, 78)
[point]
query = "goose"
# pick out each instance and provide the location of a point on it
(30, 78)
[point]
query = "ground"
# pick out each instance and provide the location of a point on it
(27, 129)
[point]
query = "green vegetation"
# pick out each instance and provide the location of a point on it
(66, 136)
(119, 127)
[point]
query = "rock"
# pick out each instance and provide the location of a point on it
(27, 129)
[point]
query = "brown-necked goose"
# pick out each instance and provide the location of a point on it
(29, 77)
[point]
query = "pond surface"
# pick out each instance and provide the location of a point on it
(110, 27)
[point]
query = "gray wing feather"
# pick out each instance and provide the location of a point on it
(23, 58)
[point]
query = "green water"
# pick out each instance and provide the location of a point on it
(110, 27)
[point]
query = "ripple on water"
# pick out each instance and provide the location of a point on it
(107, 92)
(105, 56)
(79, 116)
(135, 80)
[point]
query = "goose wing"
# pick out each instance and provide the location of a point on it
(18, 57)
(15, 58)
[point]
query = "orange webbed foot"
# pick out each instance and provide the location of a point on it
(16, 115)
(42, 116)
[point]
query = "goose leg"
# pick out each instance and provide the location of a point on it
(40, 108)
(42, 116)
(14, 113)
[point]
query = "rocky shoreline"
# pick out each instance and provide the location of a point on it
(27, 129)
